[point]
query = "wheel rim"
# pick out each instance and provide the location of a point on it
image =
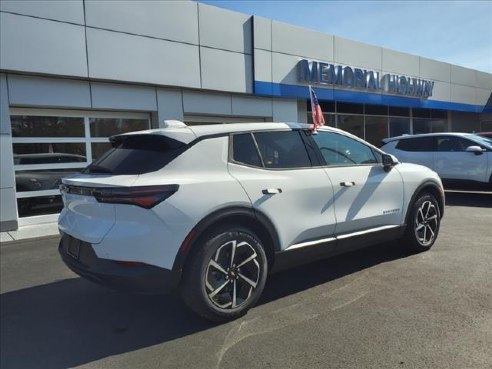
(426, 223)
(232, 274)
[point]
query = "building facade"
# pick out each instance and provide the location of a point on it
(73, 73)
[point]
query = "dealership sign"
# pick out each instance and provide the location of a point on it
(314, 72)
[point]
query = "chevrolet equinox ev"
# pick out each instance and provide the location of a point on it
(212, 209)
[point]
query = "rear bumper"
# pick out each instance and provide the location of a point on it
(141, 278)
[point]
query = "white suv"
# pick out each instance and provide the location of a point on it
(213, 209)
(462, 160)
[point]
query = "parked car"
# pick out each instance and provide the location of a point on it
(461, 159)
(213, 209)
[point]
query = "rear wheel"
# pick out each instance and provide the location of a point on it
(226, 275)
(423, 223)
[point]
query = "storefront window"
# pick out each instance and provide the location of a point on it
(376, 129)
(105, 127)
(40, 126)
(49, 147)
(422, 125)
(399, 126)
(352, 123)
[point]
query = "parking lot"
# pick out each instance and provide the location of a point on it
(375, 308)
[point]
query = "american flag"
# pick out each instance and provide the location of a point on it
(318, 119)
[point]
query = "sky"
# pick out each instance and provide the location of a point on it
(457, 32)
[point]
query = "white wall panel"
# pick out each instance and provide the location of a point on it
(226, 71)
(252, 106)
(284, 68)
(8, 205)
(126, 57)
(400, 63)
(169, 105)
(484, 80)
(6, 157)
(435, 70)
(4, 106)
(463, 94)
(262, 33)
(42, 46)
(482, 96)
(206, 103)
(357, 54)
(299, 41)
(171, 20)
(441, 91)
(66, 11)
(463, 76)
(284, 110)
(49, 92)
(225, 29)
(120, 96)
(302, 111)
(263, 65)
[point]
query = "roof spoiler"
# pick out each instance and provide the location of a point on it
(174, 124)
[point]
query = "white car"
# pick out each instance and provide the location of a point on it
(213, 209)
(460, 159)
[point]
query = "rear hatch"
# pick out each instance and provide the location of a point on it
(89, 198)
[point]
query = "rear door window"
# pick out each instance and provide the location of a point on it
(137, 154)
(282, 149)
(417, 144)
(244, 150)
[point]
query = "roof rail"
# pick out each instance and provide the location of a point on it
(173, 124)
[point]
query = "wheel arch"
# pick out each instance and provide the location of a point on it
(259, 223)
(427, 187)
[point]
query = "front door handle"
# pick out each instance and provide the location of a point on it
(347, 184)
(271, 191)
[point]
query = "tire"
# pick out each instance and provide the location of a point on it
(423, 223)
(225, 275)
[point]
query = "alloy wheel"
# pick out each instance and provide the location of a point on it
(426, 223)
(232, 274)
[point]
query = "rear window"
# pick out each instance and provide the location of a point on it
(137, 154)
(244, 150)
(416, 144)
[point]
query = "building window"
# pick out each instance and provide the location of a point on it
(50, 144)
(352, 123)
(376, 128)
(399, 126)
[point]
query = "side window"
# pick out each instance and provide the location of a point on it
(338, 149)
(284, 149)
(422, 144)
(452, 144)
(244, 150)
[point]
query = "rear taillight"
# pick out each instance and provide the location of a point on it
(144, 196)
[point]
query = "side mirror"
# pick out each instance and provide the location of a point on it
(389, 161)
(475, 149)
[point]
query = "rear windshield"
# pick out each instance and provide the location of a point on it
(137, 154)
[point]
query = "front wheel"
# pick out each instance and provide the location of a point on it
(226, 275)
(423, 223)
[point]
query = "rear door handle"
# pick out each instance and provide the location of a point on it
(347, 184)
(271, 191)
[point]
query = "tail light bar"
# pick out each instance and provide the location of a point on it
(144, 196)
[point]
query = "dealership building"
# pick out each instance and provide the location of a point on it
(73, 73)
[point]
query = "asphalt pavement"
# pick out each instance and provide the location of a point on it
(374, 308)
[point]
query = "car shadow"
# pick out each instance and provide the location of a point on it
(473, 199)
(73, 322)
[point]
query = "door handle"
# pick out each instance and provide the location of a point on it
(271, 191)
(347, 184)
